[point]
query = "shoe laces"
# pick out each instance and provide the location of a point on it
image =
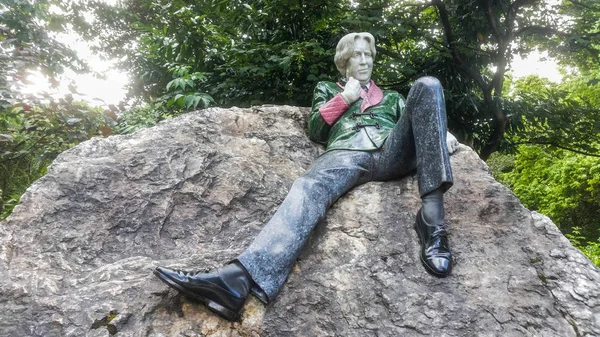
(440, 230)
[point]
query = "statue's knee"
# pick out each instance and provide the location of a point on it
(429, 81)
(304, 184)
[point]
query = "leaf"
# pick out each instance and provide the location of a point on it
(28, 128)
(170, 84)
(73, 121)
(6, 137)
(206, 100)
(197, 100)
(188, 101)
(179, 82)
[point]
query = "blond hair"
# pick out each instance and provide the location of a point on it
(345, 49)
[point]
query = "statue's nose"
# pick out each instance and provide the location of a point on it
(363, 58)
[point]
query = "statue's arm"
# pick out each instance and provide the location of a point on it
(327, 107)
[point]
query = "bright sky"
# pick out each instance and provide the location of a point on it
(92, 89)
(536, 64)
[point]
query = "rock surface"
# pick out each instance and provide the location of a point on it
(76, 256)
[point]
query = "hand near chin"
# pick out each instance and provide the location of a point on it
(351, 91)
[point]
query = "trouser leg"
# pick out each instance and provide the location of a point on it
(271, 255)
(419, 140)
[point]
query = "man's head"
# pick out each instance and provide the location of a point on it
(354, 56)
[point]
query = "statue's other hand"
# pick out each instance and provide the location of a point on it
(351, 91)
(452, 143)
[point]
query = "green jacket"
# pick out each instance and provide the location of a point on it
(364, 125)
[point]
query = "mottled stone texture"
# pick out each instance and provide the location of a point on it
(76, 256)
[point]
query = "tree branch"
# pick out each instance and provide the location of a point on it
(492, 20)
(503, 42)
(443, 13)
(539, 30)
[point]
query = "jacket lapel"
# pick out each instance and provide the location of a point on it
(371, 97)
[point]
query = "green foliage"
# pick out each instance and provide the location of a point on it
(54, 126)
(180, 96)
(581, 47)
(561, 184)
(591, 249)
(501, 163)
(137, 118)
(181, 91)
(562, 115)
(245, 53)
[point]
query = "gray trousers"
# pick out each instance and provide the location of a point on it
(418, 141)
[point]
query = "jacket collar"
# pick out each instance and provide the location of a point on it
(370, 98)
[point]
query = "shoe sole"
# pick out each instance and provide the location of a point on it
(210, 304)
(427, 267)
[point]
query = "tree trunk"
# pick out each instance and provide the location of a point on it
(498, 127)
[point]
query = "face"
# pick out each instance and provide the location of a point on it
(360, 65)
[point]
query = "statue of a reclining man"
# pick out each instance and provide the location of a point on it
(371, 135)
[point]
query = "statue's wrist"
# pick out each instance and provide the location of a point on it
(345, 98)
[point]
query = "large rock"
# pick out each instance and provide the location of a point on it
(76, 257)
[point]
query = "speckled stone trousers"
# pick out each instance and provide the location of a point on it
(418, 141)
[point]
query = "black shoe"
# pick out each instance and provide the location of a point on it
(435, 250)
(223, 291)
